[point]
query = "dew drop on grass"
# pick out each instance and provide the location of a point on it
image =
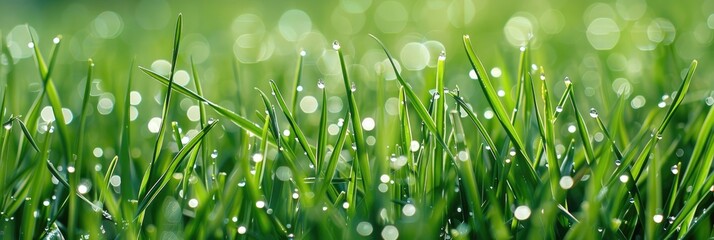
(414, 146)
(662, 104)
(260, 204)
(473, 75)
(336, 45)
(542, 76)
(593, 113)
(442, 56)
(512, 152)
(257, 157)
(31, 45)
(303, 53)
(674, 169)
(566, 182)
(558, 108)
(618, 162)
(193, 203)
(242, 230)
(353, 87)
(299, 88)
(214, 154)
(56, 40)
(709, 101)
(8, 125)
(390, 232)
(624, 178)
(320, 83)
(364, 229)
(572, 128)
(522, 212)
(567, 81)
(657, 218)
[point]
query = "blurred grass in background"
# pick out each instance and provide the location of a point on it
(634, 50)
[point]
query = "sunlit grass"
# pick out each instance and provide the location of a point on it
(535, 168)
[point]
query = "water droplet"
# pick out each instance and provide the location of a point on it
(193, 203)
(353, 87)
(31, 45)
(364, 228)
(523, 48)
(559, 108)
(671, 219)
(624, 178)
(566, 182)
(442, 56)
(618, 162)
(662, 104)
(303, 53)
(8, 125)
(522, 212)
(709, 101)
(542, 76)
(56, 40)
(320, 83)
(567, 81)
(214, 154)
(593, 113)
(260, 204)
(674, 169)
(600, 229)
(242, 230)
(336, 45)
(512, 152)
(257, 157)
(409, 210)
(390, 232)
(658, 218)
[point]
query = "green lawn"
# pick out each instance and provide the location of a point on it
(356, 120)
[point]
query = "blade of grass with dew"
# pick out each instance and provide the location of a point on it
(326, 176)
(39, 174)
(293, 123)
(698, 168)
(55, 173)
(439, 119)
(362, 157)
(640, 162)
(466, 173)
(128, 194)
(232, 116)
(524, 166)
(79, 153)
(322, 131)
(164, 178)
(549, 140)
(164, 111)
(52, 95)
(202, 118)
(298, 79)
(582, 129)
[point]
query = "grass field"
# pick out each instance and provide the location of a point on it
(356, 120)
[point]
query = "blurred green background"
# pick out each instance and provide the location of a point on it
(633, 47)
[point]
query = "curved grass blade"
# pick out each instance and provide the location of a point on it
(322, 134)
(298, 79)
(164, 112)
(326, 176)
(362, 157)
(418, 105)
(51, 92)
(293, 123)
(74, 178)
(232, 116)
(173, 165)
(524, 166)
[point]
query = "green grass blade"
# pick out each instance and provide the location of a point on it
(164, 112)
(328, 174)
(322, 132)
(232, 116)
(172, 168)
(362, 157)
(293, 123)
(417, 104)
(523, 164)
(298, 79)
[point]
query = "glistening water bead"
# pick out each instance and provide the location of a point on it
(336, 45)
(320, 84)
(593, 113)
